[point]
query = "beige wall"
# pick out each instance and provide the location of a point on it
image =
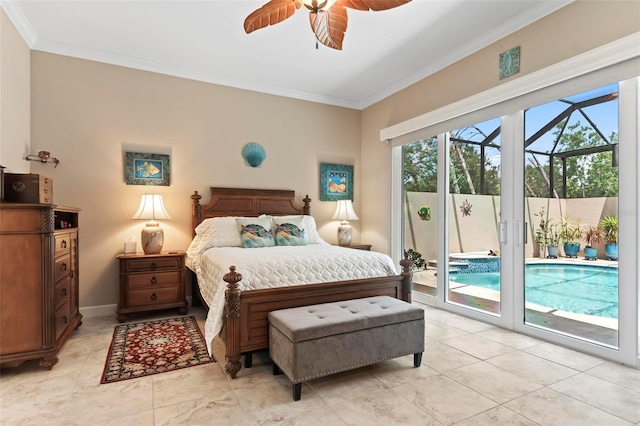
(574, 29)
(15, 94)
(88, 114)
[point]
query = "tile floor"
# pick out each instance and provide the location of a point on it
(472, 374)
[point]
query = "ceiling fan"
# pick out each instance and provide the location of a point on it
(328, 18)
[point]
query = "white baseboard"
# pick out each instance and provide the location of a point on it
(105, 310)
(98, 311)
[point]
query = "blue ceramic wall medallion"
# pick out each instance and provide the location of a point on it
(253, 154)
(509, 62)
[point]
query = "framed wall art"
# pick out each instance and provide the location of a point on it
(336, 182)
(147, 169)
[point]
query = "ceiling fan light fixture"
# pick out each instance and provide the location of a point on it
(317, 5)
(329, 26)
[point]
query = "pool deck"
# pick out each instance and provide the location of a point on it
(598, 329)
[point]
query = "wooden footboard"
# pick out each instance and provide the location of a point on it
(246, 324)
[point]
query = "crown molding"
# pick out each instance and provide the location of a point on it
(19, 21)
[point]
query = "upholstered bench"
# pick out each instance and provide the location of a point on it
(318, 340)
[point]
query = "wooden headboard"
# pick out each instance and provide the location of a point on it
(245, 202)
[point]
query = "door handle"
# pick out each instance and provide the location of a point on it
(502, 232)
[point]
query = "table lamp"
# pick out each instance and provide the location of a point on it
(152, 207)
(345, 213)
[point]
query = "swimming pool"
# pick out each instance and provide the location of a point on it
(582, 289)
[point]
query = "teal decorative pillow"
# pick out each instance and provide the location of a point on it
(256, 232)
(289, 232)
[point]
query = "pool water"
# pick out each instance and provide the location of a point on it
(582, 289)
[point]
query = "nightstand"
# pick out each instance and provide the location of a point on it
(366, 247)
(151, 281)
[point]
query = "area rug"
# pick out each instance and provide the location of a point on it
(151, 347)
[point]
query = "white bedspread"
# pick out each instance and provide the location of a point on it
(279, 266)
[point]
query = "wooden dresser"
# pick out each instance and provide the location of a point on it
(39, 306)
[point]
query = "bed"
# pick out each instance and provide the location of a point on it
(245, 311)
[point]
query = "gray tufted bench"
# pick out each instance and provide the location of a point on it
(314, 341)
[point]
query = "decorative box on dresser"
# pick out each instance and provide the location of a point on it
(151, 281)
(39, 304)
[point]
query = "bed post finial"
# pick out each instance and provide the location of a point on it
(306, 209)
(232, 318)
(407, 277)
(196, 212)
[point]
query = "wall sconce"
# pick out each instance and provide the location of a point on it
(43, 157)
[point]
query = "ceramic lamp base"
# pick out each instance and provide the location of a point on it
(344, 234)
(152, 238)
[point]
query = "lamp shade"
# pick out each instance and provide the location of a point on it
(152, 236)
(151, 207)
(344, 211)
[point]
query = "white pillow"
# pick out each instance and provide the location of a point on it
(309, 225)
(215, 232)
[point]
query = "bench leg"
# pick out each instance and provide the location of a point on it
(297, 391)
(276, 369)
(417, 359)
(248, 360)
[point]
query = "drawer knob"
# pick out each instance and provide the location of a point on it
(153, 296)
(153, 265)
(154, 280)
(64, 244)
(64, 266)
(64, 291)
(65, 319)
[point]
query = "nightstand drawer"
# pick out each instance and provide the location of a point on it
(152, 264)
(62, 267)
(153, 278)
(153, 296)
(62, 291)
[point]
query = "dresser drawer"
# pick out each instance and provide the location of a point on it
(153, 278)
(62, 291)
(62, 267)
(152, 264)
(63, 316)
(153, 296)
(62, 243)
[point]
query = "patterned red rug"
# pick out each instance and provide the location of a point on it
(151, 347)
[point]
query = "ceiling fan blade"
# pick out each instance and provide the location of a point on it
(271, 13)
(371, 4)
(329, 26)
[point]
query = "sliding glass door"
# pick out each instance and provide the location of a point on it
(517, 226)
(571, 201)
(473, 256)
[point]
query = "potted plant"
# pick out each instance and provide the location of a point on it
(570, 233)
(609, 225)
(541, 232)
(592, 236)
(552, 239)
